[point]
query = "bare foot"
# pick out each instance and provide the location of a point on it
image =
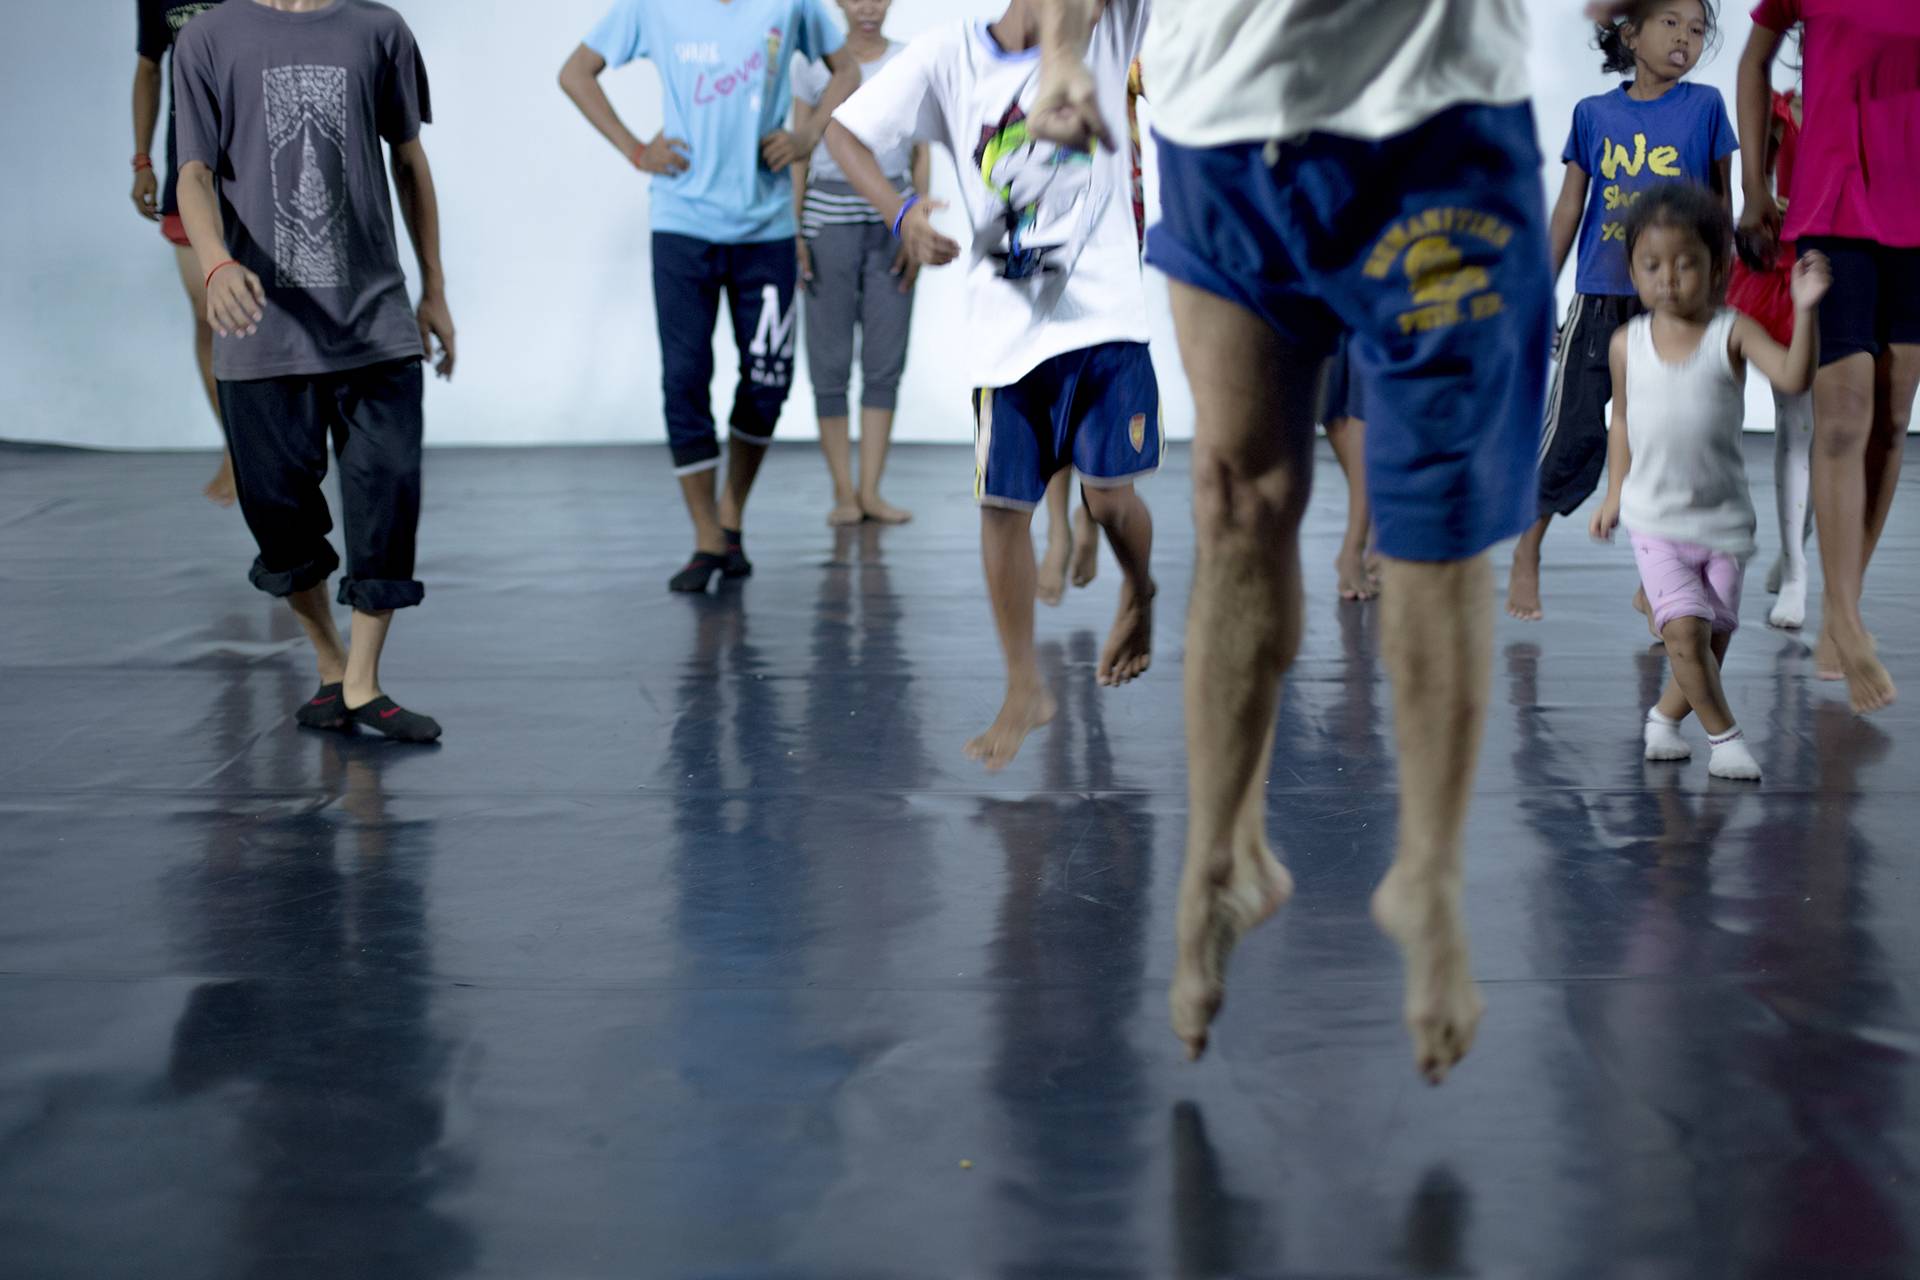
(878, 508)
(1024, 711)
(1212, 917)
(1443, 1007)
(1086, 548)
(1869, 687)
(845, 513)
(1356, 579)
(1789, 612)
(1826, 657)
(1645, 607)
(1523, 590)
(1129, 649)
(1051, 581)
(220, 490)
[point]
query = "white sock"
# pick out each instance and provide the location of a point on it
(1731, 758)
(1663, 738)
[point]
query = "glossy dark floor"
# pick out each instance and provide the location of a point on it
(698, 949)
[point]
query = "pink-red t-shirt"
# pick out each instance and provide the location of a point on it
(1857, 173)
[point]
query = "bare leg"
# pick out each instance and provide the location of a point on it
(1051, 582)
(1129, 525)
(876, 439)
(1523, 581)
(1085, 565)
(1437, 639)
(313, 607)
(363, 659)
(837, 448)
(1348, 436)
(1674, 703)
(1843, 409)
(1793, 501)
(1693, 653)
(1006, 552)
(743, 464)
(220, 489)
(696, 490)
(1252, 471)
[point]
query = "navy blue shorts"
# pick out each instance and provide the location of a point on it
(1096, 410)
(1430, 249)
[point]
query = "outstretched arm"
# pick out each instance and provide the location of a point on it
(925, 245)
(580, 81)
(420, 210)
(1789, 368)
(1067, 108)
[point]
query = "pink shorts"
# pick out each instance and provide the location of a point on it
(1687, 580)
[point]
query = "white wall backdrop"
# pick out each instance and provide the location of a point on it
(546, 239)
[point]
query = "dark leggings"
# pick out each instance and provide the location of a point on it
(689, 276)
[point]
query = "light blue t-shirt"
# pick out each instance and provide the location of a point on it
(725, 69)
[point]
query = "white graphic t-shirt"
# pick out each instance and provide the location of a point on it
(1225, 71)
(1051, 253)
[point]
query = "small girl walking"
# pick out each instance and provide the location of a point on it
(1676, 474)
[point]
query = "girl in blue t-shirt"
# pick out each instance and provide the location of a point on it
(1651, 129)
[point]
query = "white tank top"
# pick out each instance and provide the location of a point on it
(1688, 481)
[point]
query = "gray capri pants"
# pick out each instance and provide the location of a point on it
(853, 284)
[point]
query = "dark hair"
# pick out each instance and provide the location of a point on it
(1610, 34)
(1688, 207)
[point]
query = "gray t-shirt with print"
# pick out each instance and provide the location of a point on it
(288, 110)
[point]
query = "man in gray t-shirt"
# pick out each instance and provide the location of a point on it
(281, 112)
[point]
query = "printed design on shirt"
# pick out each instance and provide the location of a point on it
(180, 15)
(1447, 255)
(1615, 161)
(307, 151)
(771, 351)
(1045, 188)
(775, 39)
(707, 91)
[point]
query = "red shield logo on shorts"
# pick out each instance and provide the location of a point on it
(1137, 431)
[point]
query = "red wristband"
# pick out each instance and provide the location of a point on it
(142, 161)
(230, 262)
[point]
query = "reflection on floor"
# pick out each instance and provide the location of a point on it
(699, 949)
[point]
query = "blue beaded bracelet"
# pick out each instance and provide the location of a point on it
(901, 216)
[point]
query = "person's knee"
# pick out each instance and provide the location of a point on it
(1688, 640)
(1108, 506)
(1843, 416)
(1239, 494)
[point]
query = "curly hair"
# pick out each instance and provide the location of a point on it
(1610, 34)
(1687, 207)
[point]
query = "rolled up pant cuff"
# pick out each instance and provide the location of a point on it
(831, 406)
(295, 580)
(886, 399)
(377, 595)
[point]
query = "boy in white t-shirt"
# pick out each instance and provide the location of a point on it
(1056, 310)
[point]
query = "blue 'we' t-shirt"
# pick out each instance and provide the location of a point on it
(725, 71)
(1626, 146)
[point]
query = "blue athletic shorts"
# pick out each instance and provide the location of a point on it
(1096, 410)
(1430, 250)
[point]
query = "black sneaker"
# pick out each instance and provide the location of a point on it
(738, 566)
(326, 709)
(698, 575)
(386, 717)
